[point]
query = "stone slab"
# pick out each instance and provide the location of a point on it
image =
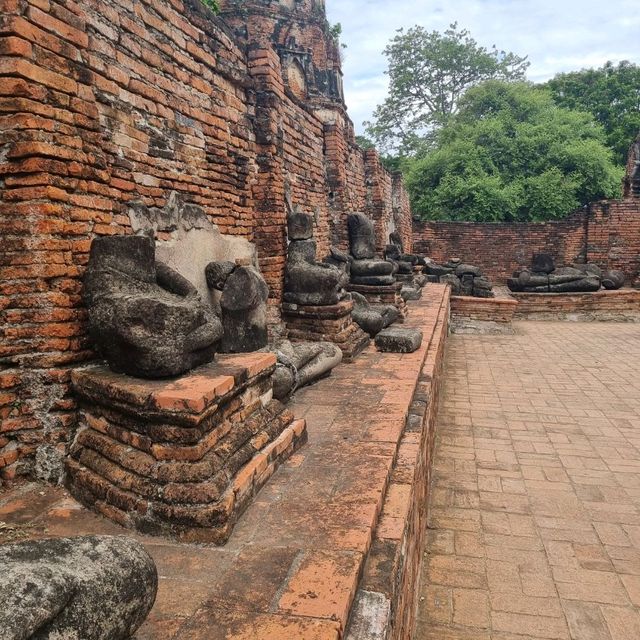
(398, 340)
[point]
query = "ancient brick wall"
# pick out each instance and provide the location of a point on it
(101, 104)
(379, 197)
(345, 179)
(105, 104)
(401, 208)
(607, 233)
(613, 239)
(500, 249)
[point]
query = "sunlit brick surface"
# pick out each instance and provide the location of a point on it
(535, 508)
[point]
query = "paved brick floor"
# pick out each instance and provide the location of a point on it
(535, 524)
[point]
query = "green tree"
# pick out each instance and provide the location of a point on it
(212, 4)
(428, 74)
(611, 94)
(511, 154)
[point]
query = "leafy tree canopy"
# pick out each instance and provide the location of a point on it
(428, 74)
(611, 94)
(512, 154)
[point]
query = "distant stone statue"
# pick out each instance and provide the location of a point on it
(396, 239)
(306, 281)
(89, 588)
(243, 305)
(365, 269)
(145, 318)
(632, 179)
(544, 277)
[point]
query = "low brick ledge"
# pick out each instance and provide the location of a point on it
(386, 601)
(340, 523)
(622, 305)
(486, 309)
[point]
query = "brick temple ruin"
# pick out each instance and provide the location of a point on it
(211, 133)
(109, 104)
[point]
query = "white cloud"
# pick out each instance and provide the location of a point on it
(557, 35)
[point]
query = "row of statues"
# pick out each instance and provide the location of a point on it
(544, 277)
(150, 321)
(310, 282)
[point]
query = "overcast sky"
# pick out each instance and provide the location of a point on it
(557, 35)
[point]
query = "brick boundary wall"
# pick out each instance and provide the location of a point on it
(607, 233)
(102, 104)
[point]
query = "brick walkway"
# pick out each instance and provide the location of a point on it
(535, 522)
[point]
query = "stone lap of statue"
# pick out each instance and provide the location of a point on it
(365, 269)
(145, 319)
(306, 281)
(89, 588)
(396, 239)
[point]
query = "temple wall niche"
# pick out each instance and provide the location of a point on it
(296, 80)
(128, 104)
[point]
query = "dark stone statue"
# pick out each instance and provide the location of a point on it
(306, 281)
(372, 318)
(392, 254)
(243, 304)
(144, 317)
(89, 588)
(613, 279)
(396, 239)
(365, 269)
(302, 363)
(465, 279)
(544, 277)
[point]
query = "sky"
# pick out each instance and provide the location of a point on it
(557, 35)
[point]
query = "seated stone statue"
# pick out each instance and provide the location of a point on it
(396, 239)
(306, 281)
(243, 305)
(89, 587)
(372, 318)
(365, 269)
(544, 277)
(145, 319)
(392, 253)
(301, 363)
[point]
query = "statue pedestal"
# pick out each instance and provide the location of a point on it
(180, 457)
(330, 323)
(389, 294)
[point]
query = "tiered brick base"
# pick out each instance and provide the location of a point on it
(182, 457)
(383, 295)
(331, 323)
(622, 305)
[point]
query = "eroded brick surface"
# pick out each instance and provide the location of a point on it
(535, 504)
